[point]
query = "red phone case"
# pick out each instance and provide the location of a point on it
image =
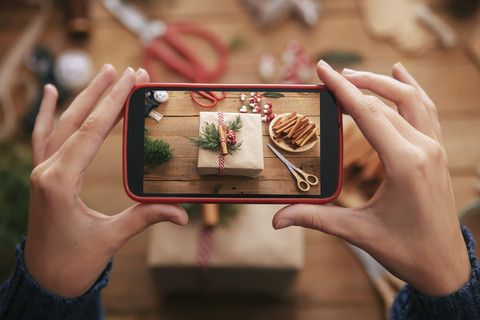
(253, 200)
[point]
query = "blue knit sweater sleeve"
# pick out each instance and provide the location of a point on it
(21, 297)
(463, 304)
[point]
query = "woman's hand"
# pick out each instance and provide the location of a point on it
(68, 244)
(410, 225)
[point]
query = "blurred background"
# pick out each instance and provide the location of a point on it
(310, 275)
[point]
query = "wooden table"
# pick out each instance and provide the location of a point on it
(180, 174)
(332, 285)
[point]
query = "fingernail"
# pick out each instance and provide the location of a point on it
(400, 64)
(284, 223)
(139, 71)
(324, 65)
(48, 87)
(105, 67)
(127, 71)
(50, 90)
(181, 219)
(348, 72)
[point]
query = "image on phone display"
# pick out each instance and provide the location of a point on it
(232, 143)
(188, 129)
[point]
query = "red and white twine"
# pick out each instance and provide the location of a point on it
(204, 250)
(205, 237)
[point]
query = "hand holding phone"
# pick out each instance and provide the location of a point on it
(62, 230)
(410, 225)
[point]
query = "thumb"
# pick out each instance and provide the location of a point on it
(342, 222)
(140, 216)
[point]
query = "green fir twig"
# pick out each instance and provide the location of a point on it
(209, 139)
(156, 151)
(273, 95)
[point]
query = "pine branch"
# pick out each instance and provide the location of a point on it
(156, 151)
(209, 140)
(236, 125)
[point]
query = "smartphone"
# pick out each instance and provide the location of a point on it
(232, 143)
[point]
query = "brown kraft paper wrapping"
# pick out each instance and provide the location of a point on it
(248, 161)
(247, 254)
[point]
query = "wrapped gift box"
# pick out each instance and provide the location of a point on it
(247, 255)
(248, 161)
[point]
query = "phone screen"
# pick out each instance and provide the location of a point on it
(236, 142)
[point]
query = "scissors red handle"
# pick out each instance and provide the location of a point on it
(210, 96)
(179, 56)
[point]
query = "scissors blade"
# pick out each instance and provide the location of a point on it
(132, 18)
(284, 160)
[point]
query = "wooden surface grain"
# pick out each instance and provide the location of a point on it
(181, 119)
(332, 284)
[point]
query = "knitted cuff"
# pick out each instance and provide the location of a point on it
(463, 304)
(21, 297)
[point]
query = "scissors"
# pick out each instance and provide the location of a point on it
(303, 182)
(210, 95)
(173, 50)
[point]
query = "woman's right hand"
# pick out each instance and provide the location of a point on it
(410, 225)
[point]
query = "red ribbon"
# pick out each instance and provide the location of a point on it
(204, 250)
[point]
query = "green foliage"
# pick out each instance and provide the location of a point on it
(15, 169)
(273, 95)
(216, 188)
(340, 57)
(210, 140)
(236, 125)
(156, 151)
(237, 42)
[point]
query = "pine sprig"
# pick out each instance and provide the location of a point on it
(235, 125)
(209, 139)
(156, 151)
